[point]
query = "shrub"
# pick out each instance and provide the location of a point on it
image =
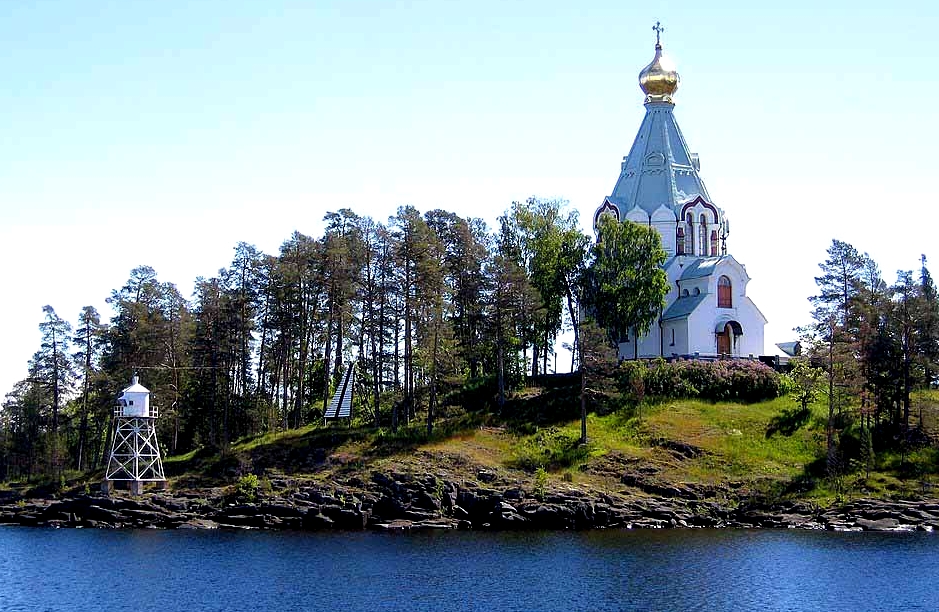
(734, 380)
(541, 483)
(786, 385)
(247, 488)
(550, 448)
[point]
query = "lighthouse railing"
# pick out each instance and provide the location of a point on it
(153, 413)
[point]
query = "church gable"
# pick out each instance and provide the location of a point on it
(607, 208)
(664, 222)
(637, 215)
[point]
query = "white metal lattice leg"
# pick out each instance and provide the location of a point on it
(135, 452)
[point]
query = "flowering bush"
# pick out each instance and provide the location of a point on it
(734, 380)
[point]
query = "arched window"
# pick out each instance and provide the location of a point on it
(680, 242)
(703, 234)
(713, 243)
(724, 298)
(689, 235)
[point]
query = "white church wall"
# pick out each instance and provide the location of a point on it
(698, 333)
(694, 287)
(701, 337)
(663, 220)
(752, 322)
(650, 345)
(676, 337)
(627, 350)
(667, 232)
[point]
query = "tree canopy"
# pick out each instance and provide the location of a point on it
(625, 283)
(424, 302)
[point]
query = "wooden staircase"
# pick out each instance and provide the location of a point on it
(340, 407)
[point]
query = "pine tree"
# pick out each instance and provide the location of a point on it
(51, 378)
(927, 324)
(510, 303)
(839, 285)
(88, 339)
(51, 365)
(24, 414)
(905, 311)
(874, 346)
(413, 245)
(833, 337)
(515, 249)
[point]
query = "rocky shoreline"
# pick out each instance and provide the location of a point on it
(400, 501)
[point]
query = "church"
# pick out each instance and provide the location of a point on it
(707, 311)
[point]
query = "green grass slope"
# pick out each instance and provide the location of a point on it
(724, 449)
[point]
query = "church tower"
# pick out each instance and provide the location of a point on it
(707, 310)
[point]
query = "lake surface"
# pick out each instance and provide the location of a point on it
(167, 571)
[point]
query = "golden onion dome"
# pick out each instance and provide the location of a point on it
(659, 80)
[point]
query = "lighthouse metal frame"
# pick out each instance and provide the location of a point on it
(135, 451)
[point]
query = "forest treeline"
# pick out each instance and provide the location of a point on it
(870, 344)
(422, 303)
(428, 304)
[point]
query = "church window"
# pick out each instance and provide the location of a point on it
(673, 337)
(713, 243)
(680, 242)
(703, 234)
(697, 290)
(724, 299)
(684, 293)
(689, 235)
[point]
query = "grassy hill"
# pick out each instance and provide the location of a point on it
(725, 450)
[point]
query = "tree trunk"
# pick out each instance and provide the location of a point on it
(500, 374)
(575, 323)
(83, 426)
(433, 384)
(327, 353)
(534, 358)
(830, 429)
(583, 404)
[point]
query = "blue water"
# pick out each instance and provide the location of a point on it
(171, 571)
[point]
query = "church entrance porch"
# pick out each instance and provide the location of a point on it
(727, 333)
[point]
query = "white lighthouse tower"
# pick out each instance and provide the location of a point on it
(135, 454)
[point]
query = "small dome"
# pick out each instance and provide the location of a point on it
(659, 80)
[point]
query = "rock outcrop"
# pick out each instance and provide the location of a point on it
(399, 501)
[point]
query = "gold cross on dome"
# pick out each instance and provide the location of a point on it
(658, 32)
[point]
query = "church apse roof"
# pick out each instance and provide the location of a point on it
(683, 306)
(700, 268)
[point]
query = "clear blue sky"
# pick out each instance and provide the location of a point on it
(162, 133)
